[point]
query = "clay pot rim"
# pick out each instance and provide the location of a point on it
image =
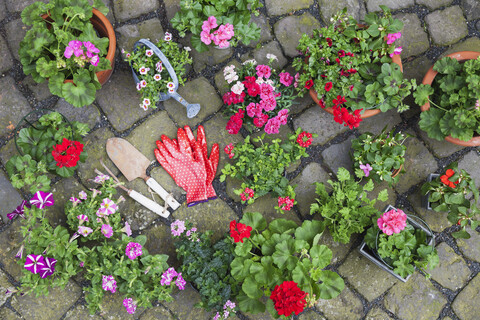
(428, 79)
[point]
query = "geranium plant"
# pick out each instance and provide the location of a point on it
(27, 172)
(207, 267)
(64, 46)
(217, 22)
(454, 98)
(350, 66)
(282, 261)
(450, 193)
(262, 169)
(347, 209)
(400, 245)
(379, 157)
(153, 75)
(258, 95)
(93, 214)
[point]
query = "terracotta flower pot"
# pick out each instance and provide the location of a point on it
(367, 113)
(395, 172)
(428, 79)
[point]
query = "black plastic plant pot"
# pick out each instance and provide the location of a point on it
(375, 258)
(425, 203)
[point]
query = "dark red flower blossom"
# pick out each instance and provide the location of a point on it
(233, 98)
(328, 86)
(340, 100)
(67, 153)
(337, 60)
(349, 54)
(288, 298)
(235, 123)
(309, 84)
(352, 71)
(304, 139)
(239, 231)
(341, 53)
(329, 42)
(260, 121)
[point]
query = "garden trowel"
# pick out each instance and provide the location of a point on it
(133, 164)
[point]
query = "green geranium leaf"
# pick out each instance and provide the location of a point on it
(331, 285)
(282, 226)
(247, 304)
(271, 309)
(249, 286)
(321, 256)
(308, 230)
(240, 268)
(242, 249)
(462, 234)
(430, 123)
(283, 256)
(79, 93)
(254, 220)
(447, 65)
(55, 84)
(422, 93)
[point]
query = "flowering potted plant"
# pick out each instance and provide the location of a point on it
(261, 93)
(126, 266)
(153, 76)
(207, 267)
(379, 157)
(52, 145)
(352, 70)
(93, 214)
(263, 168)
(282, 261)
(449, 193)
(451, 103)
(63, 47)
(222, 23)
(347, 209)
(401, 246)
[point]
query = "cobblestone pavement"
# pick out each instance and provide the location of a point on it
(433, 28)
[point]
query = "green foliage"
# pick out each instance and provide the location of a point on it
(262, 168)
(347, 209)
(178, 58)
(278, 252)
(236, 12)
(455, 201)
(207, 266)
(42, 49)
(375, 82)
(26, 172)
(384, 152)
(454, 98)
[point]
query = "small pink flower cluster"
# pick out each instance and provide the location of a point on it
(76, 47)
(167, 278)
(273, 124)
(109, 283)
(177, 227)
(285, 203)
(220, 36)
(392, 221)
(229, 150)
(228, 307)
(391, 37)
(247, 194)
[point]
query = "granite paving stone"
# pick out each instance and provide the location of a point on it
(3, 10)
(6, 61)
(471, 164)
(369, 280)
(392, 196)
(183, 304)
(212, 57)
(130, 33)
(54, 305)
(232, 184)
(125, 10)
(300, 103)
(172, 7)
(463, 306)
(4, 286)
(120, 101)
(414, 40)
(416, 69)
(377, 314)
(437, 221)
(310, 314)
(416, 299)
(160, 241)
(290, 29)
(339, 250)
(376, 123)
(266, 206)
(13, 105)
(62, 191)
(344, 306)
(15, 31)
(87, 114)
(452, 271)
(374, 5)
(260, 55)
(470, 44)
(305, 190)
(10, 240)
(440, 149)
(339, 155)
(80, 312)
(7, 314)
(195, 91)
(266, 33)
(279, 7)
(19, 5)
(157, 313)
(355, 8)
(470, 247)
(112, 308)
(315, 120)
(10, 198)
(454, 25)
(471, 9)
(39, 90)
(434, 4)
(418, 164)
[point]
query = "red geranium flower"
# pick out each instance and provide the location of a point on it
(301, 139)
(239, 231)
(445, 178)
(328, 86)
(288, 298)
(309, 84)
(67, 153)
(341, 115)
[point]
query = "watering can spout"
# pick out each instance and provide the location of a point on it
(192, 109)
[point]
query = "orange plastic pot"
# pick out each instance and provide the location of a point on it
(367, 113)
(428, 79)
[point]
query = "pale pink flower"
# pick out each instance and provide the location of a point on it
(392, 221)
(210, 23)
(205, 37)
(149, 53)
(238, 88)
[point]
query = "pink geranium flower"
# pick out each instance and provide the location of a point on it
(392, 221)
(209, 24)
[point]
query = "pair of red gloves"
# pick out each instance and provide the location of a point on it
(187, 162)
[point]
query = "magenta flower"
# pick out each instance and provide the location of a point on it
(19, 254)
(19, 211)
(133, 250)
(109, 283)
(205, 37)
(75, 201)
(42, 199)
(286, 79)
(74, 47)
(82, 218)
(396, 51)
(283, 116)
(81, 264)
(127, 229)
(180, 282)
(107, 230)
(392, 37)
(263, 71)
(34, 263)
(392, 221)
(209, 24)
(129, 305)
(84, 231)
(49, 268)
(90, 47)
(167, 276)
(177, 227)
(366, 169)
(108, 206)
(82, 195)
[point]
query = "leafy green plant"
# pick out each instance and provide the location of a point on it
(454, 98)
(238, 13)
(43, 51)
(26, 172)
(450, 193)
(379, 157)
(262, 168)
(206, 265)
(354, 61)
(278, 252)
(403, 250)
(347, 209)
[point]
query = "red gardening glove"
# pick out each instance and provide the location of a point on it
(185, 166)
(211, 163)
